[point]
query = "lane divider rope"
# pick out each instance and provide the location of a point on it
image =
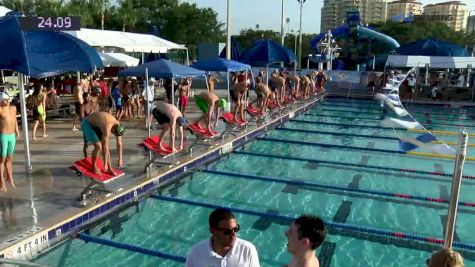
(130, 247)
(376, 119)
(375, 127)
(339, 163)
(334, 225)
(337, 188)
(325, 108)
(281, 128)
(412, 153)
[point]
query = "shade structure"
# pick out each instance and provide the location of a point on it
(130, 42)
(3, 11)
(118, 60)
(162, 68)
(265, 52)
(220, 64)
(398, 61)
(432, 47)
(41, 54)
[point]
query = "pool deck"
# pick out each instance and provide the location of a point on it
(44, 208)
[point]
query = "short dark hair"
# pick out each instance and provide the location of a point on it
(311, 227)
(218, 215)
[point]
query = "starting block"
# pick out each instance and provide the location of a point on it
(98, 182)
(151, 144)
(229, 119)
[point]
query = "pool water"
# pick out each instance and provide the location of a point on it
(239, 181)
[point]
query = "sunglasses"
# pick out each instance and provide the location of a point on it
(229, 231)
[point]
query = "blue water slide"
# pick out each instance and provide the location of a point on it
(344, 30)
(391, 42)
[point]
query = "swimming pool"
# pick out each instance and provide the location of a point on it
(287, 173)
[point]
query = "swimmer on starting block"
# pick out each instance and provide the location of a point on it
(209, 103)
(169, 116)
(97, 128)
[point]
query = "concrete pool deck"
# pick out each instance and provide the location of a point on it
(34, 213)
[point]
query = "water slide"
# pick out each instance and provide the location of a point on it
(344, 30)
(391, 42)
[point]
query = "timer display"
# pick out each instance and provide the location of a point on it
(66, 23)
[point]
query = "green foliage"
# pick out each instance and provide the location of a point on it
(420, 29)
(183, 23)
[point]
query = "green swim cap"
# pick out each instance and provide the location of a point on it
(222, 103)
(120, 129)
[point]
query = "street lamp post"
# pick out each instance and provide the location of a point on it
(282, 34)
(228, 32)
(300, 34)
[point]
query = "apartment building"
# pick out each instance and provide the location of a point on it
(471, 23)
(334, 11)
(454, 13)
(398, 10)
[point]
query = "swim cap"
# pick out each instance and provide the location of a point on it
(222, 103)
(181, 121)
(120, 129)
(4, 96)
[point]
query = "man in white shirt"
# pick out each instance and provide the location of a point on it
(304, 236)
(148, 94)
(223, 248)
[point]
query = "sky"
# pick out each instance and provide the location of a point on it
(267, 13)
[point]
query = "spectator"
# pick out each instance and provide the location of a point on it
(445, 258)
(223, 248)
(461, 80)
(304, 236)
(51, 98)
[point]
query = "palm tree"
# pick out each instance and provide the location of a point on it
(128, 13)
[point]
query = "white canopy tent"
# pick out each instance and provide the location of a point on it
(400, 61)
(3, 11)
(130, 42)
(118, 60)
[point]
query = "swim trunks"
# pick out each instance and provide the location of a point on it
(90, 134)
(202, 104)
(7, 143)
(160, 117)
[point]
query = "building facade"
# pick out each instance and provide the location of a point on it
(471, 23)
(334, 12)
(453, 13)
(398, 10)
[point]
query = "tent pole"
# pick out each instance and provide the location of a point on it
(24, 123)
(187, 58)
(229, 89)
(2, 76)
(173, 90)
(267, 74)
(143, 59)
(426, 82)
(147, 88)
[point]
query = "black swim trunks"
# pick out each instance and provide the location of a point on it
(160, 117)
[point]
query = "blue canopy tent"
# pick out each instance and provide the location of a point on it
(41, 54)
(267, 52)
(221, 64)
(432, 47)
(161, 68)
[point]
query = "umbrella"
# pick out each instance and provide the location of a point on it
(41, 54)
